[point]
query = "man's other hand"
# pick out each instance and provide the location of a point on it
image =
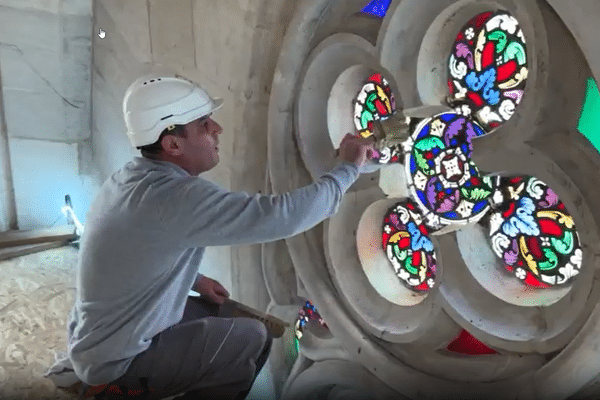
(212, 289)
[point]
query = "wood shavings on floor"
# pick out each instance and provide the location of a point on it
(37, 292)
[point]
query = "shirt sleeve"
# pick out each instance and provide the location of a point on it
(198, 213)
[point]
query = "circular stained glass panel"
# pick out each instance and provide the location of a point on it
(533, 233)
(488, 68)
(375, 102)
(408, 247)
(442, 178)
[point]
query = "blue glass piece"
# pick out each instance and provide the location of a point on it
(465, 149)
(478, 130)
(422, 197)
(448, 117)
(424, 132)
(451, 215)
(479, 206)
(378, 8)
(413, 165)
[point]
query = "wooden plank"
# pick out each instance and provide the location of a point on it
(12, 252)
(274, 325)
(36, 236)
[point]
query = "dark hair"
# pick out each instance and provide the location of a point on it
(156, 147)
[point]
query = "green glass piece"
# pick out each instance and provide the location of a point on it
(429, 143)
(552, 261)
(365, 118)
(400, 254)
(500, 38)
(409, 267)
(589, 123)
(370, 103)
(515, 50)
(422, 163)
(564, 245)
(475, 194)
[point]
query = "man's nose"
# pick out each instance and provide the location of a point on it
(215, 127)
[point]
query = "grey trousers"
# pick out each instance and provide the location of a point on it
(203, 356)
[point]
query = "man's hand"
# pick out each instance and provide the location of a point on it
(213, 289)
(356, 150)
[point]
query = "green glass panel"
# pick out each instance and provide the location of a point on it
(589, 124)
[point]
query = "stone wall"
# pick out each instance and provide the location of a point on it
(45, 50)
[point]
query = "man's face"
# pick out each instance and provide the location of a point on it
(200, 150)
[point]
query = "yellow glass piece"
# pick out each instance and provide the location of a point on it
(399, 235)
(567, 220)
(384, 98)
(528, 257)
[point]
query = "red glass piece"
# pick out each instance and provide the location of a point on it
(475, 98)
(482, 19)
(511, 209)
(467, 344)
(423, 230)
(451, 87)
(531, 280)
(533, 245)
(404, 243)
(507, 70)
(381, 108)
(487, 56)
(549, 227)
(416, 258)
(377, 78)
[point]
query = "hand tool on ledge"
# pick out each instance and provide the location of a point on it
(233, 309)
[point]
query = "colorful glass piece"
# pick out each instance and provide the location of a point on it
(533, 233)
(375, 102)
(589, 123)
(488, 69)
(307, 312)
(378, 8)
(441, 176)
(408, 247)
(469, 345)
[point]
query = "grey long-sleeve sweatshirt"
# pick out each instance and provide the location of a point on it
(144, 239)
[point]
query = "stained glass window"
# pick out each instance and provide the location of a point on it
(375, 102)
(533, 233)
(378, 8)
(307, 313)
(488, 69)
(441, 176)
(408, 247)
(589, 123)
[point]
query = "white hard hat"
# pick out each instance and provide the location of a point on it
(154, 102)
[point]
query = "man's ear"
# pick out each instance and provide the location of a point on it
(172, 145)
